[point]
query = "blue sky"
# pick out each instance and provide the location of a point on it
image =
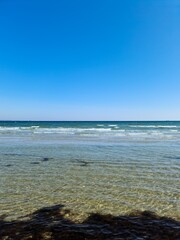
(90, 60)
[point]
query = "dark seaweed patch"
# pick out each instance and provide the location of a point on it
(35, 163)
(82, 163)
(26, 155)
(52, 223)
(46, 159)
(8, 165)
(43, 159)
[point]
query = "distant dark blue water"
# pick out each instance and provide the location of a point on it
(109, 167)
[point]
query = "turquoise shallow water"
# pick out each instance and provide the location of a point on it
(109, 167)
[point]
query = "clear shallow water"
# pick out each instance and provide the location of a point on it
(109, 167)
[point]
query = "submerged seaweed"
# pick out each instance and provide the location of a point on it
(54, 223)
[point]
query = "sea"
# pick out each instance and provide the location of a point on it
(107, 167)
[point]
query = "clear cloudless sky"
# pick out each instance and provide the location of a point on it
(90, 60)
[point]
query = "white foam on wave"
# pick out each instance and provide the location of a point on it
(9, 128)
(153, 126)
(29, 128)
(18, 128)
(71, 130)
(104, 133)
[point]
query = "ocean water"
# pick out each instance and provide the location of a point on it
(106, 167)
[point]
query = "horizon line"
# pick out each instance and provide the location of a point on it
(90, 120)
